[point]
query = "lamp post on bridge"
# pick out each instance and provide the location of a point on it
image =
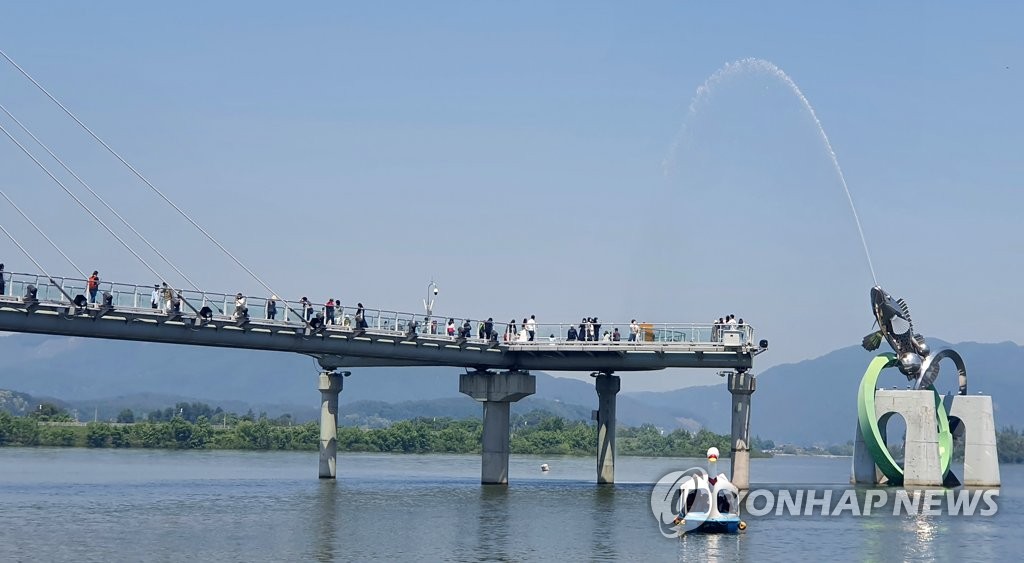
(428, 303)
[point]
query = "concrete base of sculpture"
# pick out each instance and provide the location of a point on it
(921, 466)
(971, 417)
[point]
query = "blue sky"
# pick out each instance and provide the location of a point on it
(514, 152)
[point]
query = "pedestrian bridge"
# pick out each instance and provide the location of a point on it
(497, 367)
(124, 312)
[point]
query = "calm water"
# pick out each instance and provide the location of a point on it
(132, 505)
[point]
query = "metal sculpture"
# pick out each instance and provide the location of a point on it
(914, 359)
(913, 355)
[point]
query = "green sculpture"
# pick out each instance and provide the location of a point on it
(872, 435)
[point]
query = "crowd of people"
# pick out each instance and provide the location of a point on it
(167, 299)
(728, 322)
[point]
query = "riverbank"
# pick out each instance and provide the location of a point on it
(539, 435)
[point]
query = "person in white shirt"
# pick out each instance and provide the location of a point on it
(607, 337)
(634, 331)
(531, 326)
(155, 297)
(239, 305)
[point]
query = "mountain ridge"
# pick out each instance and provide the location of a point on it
(812, 401)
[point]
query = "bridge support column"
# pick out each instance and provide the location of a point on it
(742, 386)
(607, 388)
(330, 387)
(497, 391)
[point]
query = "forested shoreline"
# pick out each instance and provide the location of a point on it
(196, 426)
(536, 432)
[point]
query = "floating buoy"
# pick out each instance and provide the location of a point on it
(544, 467)
(743, 525)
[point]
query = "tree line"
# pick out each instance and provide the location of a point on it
(197, 426)
(536, 432)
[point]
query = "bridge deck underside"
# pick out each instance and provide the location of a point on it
(337, 347)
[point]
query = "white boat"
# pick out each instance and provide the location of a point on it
(710, 502)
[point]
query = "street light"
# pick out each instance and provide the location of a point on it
(428, 303)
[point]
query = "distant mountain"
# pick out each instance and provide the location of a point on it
(101, 377)
(815, 401)
(21, 404)
(810, 402)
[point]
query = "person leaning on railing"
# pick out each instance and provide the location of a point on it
(168, 295)
(94, 285)
(361, 317)
(272, 307)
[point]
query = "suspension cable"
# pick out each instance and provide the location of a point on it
(139, 174)
(40, 231)
(101, 200)
(86, 208)
(38, 265)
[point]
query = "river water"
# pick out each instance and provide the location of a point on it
(75, 504)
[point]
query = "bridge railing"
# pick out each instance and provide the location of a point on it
(617, 332)
(139, 298)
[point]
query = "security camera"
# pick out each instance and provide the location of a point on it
(436, 291)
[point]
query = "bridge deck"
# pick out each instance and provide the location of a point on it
(390, 338)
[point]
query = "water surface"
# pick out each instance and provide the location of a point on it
(140, 505)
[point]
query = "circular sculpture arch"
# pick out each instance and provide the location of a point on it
(930, 370)
(872, 435)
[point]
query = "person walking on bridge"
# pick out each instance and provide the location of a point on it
(510, 331)
(240, 308)
(3, 282)
(168, 295)
(154, 298)
(272, 307)
(531, 326)
(329, 311)
(361, 323)
(94, 285)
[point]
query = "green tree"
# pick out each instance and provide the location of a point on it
(181, 432)
(49, 412)
(56, 436)
(202, 432)
(24, 432)
(97, 434)
(126, 416)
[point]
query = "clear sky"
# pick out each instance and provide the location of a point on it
(514, 153)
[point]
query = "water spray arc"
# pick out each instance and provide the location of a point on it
(761, 66)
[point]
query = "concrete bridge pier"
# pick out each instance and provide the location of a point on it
(607, 386)
(742, 385)
(497, 391)
(330, 387)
